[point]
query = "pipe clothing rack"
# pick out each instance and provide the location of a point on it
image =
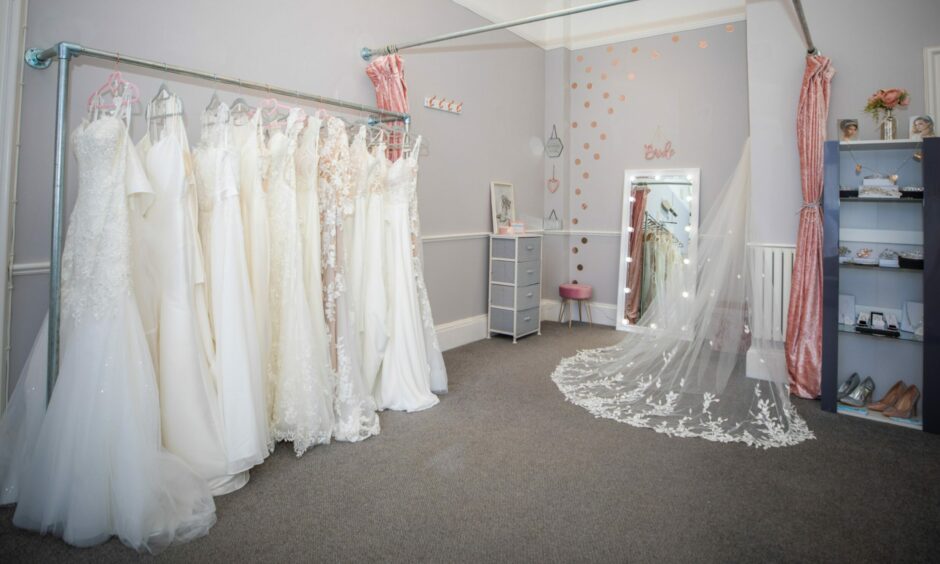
(64, 52)
(810, 47)
(367, 53)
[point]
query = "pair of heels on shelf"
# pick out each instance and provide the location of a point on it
(900, 401)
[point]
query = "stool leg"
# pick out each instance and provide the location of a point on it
(590, 318)
(561, 310)
(580, 316)
(570, 314)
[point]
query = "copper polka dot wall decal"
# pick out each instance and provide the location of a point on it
(631, 76)
(577, 162)
(590, 85)
(603, 137)
(675, 38)
(610, 49)
(580, 58)
(580, 267)
(615, 62)
(593, 124)
(597, 156)
(584, 206)
(603, 76)
(610, 111)
(574, 124)
(623, 98)
(574, 250)
(606, 95)
(574, 220)
(587, 104)
(586, 175)
(574, 281)
(587, 146)
(703, 44)
(635, 50)
(655, 55)
(584, 240)
(577, 191)
(588, 69)
(574, 85)
(729, 28)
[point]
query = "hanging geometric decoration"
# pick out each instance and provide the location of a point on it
(554, 146)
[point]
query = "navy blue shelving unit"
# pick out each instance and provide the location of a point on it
(880, 224)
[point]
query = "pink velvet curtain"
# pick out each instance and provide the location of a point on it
(391, 93)
(635, 269)
(804, 319)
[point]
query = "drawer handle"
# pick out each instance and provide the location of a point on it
(529, 247)
(529, 295)
(527, 319)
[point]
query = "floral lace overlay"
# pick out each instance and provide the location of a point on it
(354, 407)
(96, 260)
(300, 380)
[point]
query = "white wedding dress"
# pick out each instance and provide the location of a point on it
(299, 375)
(354, 406)
(373, 303)
(91, 465)
(405, 380)
(249, 140)
(237, 359)
(169, 284)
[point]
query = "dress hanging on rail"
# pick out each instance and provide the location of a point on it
(92, 466)
(169, 283)
(237, 359)
(249, 139)
(298, 372)
(405, 380)
(373, 302)
(354, 406)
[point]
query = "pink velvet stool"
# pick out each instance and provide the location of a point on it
(579, 292)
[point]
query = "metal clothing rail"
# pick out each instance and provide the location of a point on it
(367, 53)
(810, 47)
(64, 52)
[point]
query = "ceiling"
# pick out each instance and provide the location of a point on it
(643, 18)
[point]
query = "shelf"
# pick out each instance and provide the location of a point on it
(884, 200)
(854, 266)
(877, 144)
(905, 335)
(877, 417)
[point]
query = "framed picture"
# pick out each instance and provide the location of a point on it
(922, 126)
(504, 206)
(848, 130)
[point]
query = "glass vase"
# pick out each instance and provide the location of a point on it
(889, 127)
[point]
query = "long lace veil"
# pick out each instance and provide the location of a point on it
(692, 380)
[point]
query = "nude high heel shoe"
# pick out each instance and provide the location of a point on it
(906, 407)
(891, 398)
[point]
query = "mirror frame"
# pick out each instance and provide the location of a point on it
(629, 175)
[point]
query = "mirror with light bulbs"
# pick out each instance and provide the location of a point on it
(658, 242)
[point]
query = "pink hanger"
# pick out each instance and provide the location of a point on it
(115, 85)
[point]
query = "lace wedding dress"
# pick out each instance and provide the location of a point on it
(249, 141)
(91, 465)
(354, 406)
(169, 284)
(299, 369)
(373, 303)
(405, 380)
(691, 381)
(237, 358)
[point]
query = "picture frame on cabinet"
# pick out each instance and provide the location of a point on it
(503, 202)
(848, 129)
(922, 126)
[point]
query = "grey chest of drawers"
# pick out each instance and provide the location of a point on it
(515, 285)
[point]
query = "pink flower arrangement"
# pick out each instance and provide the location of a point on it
(887, 100)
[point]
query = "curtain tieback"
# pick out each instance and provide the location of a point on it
(810, 205)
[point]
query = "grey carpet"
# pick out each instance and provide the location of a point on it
(505, 470)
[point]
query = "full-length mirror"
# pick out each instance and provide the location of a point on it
(657, 247)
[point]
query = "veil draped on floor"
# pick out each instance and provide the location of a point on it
(691, 379)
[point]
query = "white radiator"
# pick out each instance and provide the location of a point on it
(771, 269)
